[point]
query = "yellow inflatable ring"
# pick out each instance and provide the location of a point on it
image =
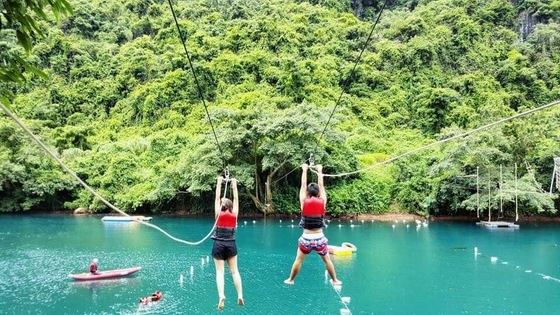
(350, 246)
(339, 250)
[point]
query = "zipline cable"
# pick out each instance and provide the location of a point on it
(344, 87)
(87, 187)
(199, 89)
(349, 77)
(433, 144)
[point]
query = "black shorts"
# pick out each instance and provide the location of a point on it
(224, 250)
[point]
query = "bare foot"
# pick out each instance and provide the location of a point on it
(221, 303)
(240, 302)
(336, 282)
(288, 281)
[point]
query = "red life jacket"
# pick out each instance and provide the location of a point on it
(313, 206)
(92, 268)
(227, 219)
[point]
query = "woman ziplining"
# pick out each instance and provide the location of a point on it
(313, 202)
(225, 248)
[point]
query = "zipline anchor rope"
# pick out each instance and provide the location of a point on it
(433, 144)
(87, 187)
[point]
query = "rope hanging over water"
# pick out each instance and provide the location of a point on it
(91, 190)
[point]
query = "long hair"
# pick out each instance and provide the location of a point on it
(227, 204)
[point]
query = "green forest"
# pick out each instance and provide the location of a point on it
(107, 86)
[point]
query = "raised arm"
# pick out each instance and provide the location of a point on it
(218, 200)
(303, 188)
(322, 191)
(235, 209)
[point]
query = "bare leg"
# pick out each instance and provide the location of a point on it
(220, 282)
(330, 268)
(232, 264)
(300, 257)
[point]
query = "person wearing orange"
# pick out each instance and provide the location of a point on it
(313, 201)
(224, 248)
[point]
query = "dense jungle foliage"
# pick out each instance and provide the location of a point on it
(108, 87)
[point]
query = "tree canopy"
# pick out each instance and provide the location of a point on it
(122, 109)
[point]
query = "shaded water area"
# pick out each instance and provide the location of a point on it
(400, 270)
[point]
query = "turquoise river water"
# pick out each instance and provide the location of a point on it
(396, 270)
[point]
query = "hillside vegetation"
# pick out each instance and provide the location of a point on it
(122, 108)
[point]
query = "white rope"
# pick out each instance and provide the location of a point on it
(340, 297)
(91, 190)
(445, 140)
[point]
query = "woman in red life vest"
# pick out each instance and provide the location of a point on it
(224, 248)
(313, 200)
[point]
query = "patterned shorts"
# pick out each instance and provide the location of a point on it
(319, 245)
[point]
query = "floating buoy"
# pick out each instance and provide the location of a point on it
(340, 225)
(254, 221)
(393, 226)
(345, 299)
(207, 259)
(493, 259)
(245, 222)
(280, 221)
(528, 271)
(337, 287)
(407, 226)
(181, 279)
(345, 311)
(339, 250)
(350, 246)
(192, 270)
(351, 225)
(362, 221)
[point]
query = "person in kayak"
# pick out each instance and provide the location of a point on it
(224, 248)
(313, 201)
(93, 267)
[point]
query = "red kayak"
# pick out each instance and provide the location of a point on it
(108, 274)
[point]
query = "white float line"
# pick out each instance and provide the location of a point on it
(545, 277)
(338, 288)
(494, 260)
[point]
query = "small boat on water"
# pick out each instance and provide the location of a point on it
(108, 274)
(115, 218)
